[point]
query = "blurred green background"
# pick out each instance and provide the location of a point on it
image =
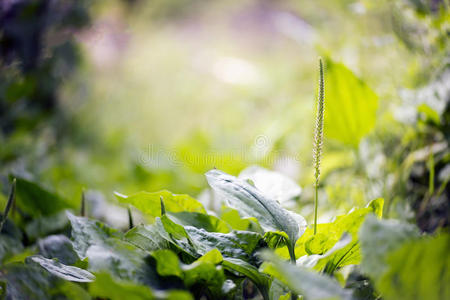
(149, 95)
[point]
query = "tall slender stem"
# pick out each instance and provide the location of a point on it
(316, 204)
(318, 139)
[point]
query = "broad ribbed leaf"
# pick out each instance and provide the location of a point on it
(250, 202)
(60, 270)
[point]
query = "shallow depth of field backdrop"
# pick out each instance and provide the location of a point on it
(128, 96)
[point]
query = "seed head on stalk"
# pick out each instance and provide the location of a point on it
(318, 138)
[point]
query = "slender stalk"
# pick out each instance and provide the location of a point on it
(130, 218)
(83, 204)
(11, 198)
(318, 139)
(163, 207)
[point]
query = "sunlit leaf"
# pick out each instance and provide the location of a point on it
(274, 185)
(150, 203)
(167, 263)
(208, 222)
(350, 105)
(328, 234)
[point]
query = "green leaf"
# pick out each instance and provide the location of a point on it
(60, 270)
(350, 112)
(208, 222)
(250, 202)
(35, 200)
(309, 284)
(259, 279)
(105, 251)
(378, 238)
(236, 244)
(106, 287)
(319, 261)
(25, 281)
(150, 203)
(275, 239)
(328, 234)
(59, 247)
(205, 273)
(147, 237)
(9, 246)
(45, 225)
(274, 185)
(86, 233)
(167, 263)
(231, 217)
(419, 269)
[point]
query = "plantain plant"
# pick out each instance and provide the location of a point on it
(318, 139)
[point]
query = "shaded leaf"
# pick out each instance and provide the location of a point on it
(59, 247)
(36, 200)
(45, 225)
(259, 279)
(105, 251)
(25, 281)
(106, 287)
(9, 246)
